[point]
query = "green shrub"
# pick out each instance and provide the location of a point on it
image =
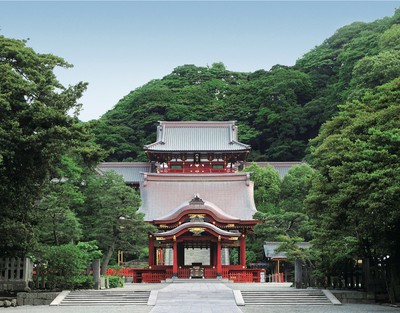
(115, 281)
(67, 266)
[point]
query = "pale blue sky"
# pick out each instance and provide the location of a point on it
(119, 46)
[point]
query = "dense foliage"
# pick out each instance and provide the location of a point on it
(35, 131)
(280, 205)
(52, 201)
(68, 266)
(354, 198)
(278, 111)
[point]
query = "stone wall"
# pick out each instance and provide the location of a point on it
(348, 296)
(36, 298)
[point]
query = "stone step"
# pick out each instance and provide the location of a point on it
(295, 297)
(101, 298)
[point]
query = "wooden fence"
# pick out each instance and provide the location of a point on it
(276, 278)
(367, 275)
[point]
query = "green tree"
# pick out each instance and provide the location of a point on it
(376, 70)
(267, 186)
(67, 265)
(354, 198)
(390, 39)
(57, 219)
(280, 207)
(35, 131)
(109, 216)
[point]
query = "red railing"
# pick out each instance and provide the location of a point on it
(156, 275)
(168, 272)
(241, 276)
(202, 168)
(225, 272)
(153, 277)
(184, 272)
(127, 272)
(210, 273)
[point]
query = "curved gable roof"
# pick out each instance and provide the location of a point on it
(209, 207)
(214, 229)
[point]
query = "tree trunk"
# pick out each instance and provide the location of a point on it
(107, 258)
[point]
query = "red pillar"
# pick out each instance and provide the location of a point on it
(151, 250)
(243, 251)
(175, 262)
(219, 259)
(161, 259)
(215, 255)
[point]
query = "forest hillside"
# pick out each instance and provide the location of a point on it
(278, 110)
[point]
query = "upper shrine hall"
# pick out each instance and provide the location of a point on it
(192, 190)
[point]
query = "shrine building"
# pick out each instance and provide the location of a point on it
(202, 205)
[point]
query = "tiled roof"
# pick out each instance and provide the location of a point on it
(130, 171)
(197, 136)
(282, 167)
(162, 194)
(271, 246)
(205, 207)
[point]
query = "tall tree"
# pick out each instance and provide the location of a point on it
(355, 196)
(281, 209)
(109, 216)
(35, 131)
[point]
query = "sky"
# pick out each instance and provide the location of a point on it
(118, 46)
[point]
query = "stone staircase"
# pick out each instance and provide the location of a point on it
(285, 297)
(105, 298)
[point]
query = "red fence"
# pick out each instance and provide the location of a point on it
(241, 276)
(153, 277)
(127, 272)
(184, 272)
(156, 275)
(210, 273)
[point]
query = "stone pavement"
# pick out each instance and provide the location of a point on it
(195, 298)
(202, 298)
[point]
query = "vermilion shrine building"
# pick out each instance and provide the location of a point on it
(201, 205)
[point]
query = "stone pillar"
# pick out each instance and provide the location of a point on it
(298, 274)
(96, 274)
(151, 250)
(175, 261)
(219, 261)
(243, 250)
(27, 270)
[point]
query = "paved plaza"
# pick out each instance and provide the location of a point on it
(203, 298)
